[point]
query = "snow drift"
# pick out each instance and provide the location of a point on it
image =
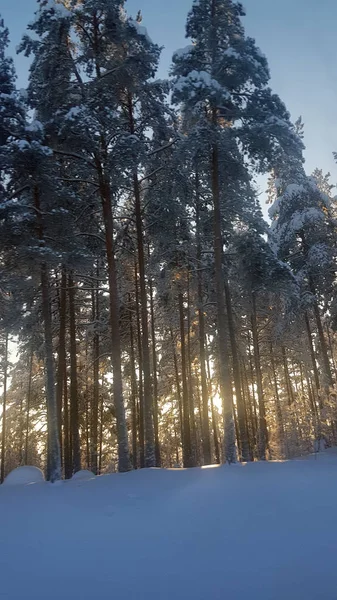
(261, 531)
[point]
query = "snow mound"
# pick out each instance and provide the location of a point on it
(24, 476)
(258, 531)
(83, 475)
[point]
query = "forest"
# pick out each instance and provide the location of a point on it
(150, 316)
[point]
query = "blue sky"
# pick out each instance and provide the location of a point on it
(297, 36)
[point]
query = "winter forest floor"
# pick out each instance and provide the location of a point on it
(260, 531)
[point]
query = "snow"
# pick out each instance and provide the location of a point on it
(24, 476)
(59, 9)
(141, 30)
(74, 112)
(35, 126)
(199, 80)
(261, 531)
(231, 53)
(182, 52)
(83, 475)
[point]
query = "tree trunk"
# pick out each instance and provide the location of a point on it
(95, 396)
(263, 433)
(278, 408)
(327, 376)
(74, 413)
(100, 454)
(187, 445)
(312, 351)
(54, 471)
(155, 382)
(289, 386)
(4, 414)
(29, 400)
(150, 458)
(206, 442)
(242, 422)
(133, 394)
(140, 383)
(54, 452)
(194, 445)
(122, 433)
(68, 468)
(176, 372)
(223, 359)
(61, 362)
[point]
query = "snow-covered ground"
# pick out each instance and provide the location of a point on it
(254, 532)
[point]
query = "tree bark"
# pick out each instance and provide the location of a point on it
(206, 441)
(140, 381)
(223, 358)
(54, 471)
(278, 408)
(95, 396)
(4, 414)
(312, 351)
(187, 445)
(29, 400)
(122, 433)
(54, 452)
(68, 468)
(263, 433)
(74, 413)
(155, 381)
(61, 362)
(242, 422)
(150, 458)
(133, 395)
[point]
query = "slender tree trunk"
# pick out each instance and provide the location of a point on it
(29, 400)
(95, 396)
(54, 453)
(54, 471)
(140, 385)
(327, 376)
(312, 351)
(214, 423)
(68, 468)
(21, 420)
(289, 386)
(331, 352)
(215, 434)
(155, 381)
(263, 432)
(242, 423)
(178, 390)
(187, 444)
(133, 394)
(87, 407)
(150, 457)
(61, 362)
(250, 409)
(100, 454)
(4, 414)
(223, 358)
(194, 445)
(74, 412)
(206, 441)
(278, 408)
(122, 433)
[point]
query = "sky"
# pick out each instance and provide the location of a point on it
(297, 36)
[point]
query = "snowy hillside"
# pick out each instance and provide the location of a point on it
(261, 531)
